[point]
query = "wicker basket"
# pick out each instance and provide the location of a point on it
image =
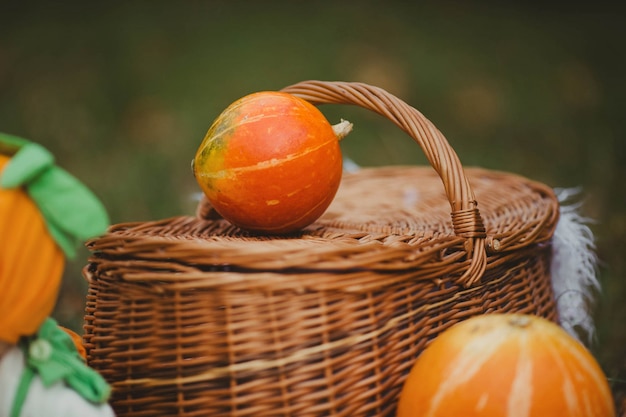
(190, 316)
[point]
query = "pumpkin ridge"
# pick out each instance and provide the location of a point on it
(246, 119)
(568, 389)
(261, 165)
(518, 405)
(470, 360)
(580, 355)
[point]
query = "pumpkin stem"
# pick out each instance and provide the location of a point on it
(519, 320)
(342, 129)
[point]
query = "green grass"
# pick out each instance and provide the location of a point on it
(124, 93)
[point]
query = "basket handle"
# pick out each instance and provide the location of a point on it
(466, 218)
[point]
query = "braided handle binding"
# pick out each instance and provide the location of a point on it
(466, 218)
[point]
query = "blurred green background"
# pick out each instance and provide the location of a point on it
(123, 93)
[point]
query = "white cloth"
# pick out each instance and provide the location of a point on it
(56, 401)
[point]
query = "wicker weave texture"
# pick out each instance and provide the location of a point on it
(190, 316)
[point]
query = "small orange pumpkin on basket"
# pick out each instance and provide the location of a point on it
(505, 365)
(270, 162)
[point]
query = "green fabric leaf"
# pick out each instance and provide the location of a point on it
(71, 211)
(53, 356)
(30, 161)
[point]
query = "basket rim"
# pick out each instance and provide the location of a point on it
(189, 240)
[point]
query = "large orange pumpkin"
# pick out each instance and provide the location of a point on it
(270, 162)
(505, 365)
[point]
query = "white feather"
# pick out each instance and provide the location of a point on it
(350, 166)
(574, 268)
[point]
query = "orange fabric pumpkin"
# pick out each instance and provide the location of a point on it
(31, 265)
(505, 365)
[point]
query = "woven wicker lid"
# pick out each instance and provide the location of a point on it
(389, 218)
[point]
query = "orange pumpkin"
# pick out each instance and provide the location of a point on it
(31, 265)
(77, 340)
(505, 365)
(270, 162)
